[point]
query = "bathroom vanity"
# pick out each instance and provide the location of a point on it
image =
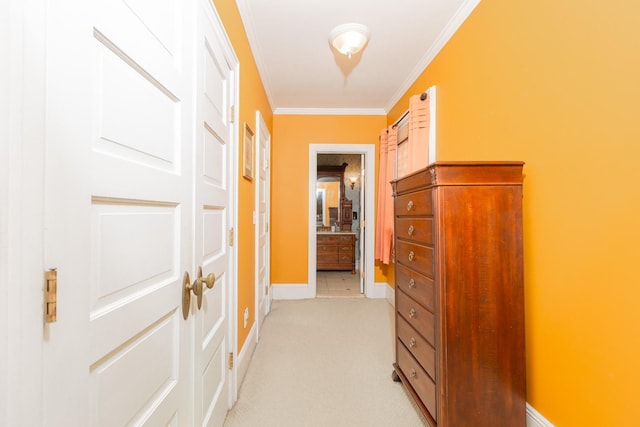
(336, 251)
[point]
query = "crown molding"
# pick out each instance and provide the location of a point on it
(448, 31)
(245, 14)
(331, 111)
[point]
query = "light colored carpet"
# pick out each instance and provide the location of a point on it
(337, 284)
(324, 362)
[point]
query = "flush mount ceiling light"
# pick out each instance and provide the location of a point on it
(349, 39)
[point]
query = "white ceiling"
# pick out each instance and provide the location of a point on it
(302, 73)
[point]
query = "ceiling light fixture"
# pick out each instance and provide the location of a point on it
(349, 39)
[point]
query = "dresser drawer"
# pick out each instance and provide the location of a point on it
(416, 257)
(327, 239)
(416, 203)
(417, 286)
(416, 229)
(417, 316)
(345, 258)
(347, 238)
(418, 378)
(418, 346)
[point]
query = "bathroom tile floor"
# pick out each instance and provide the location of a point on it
(337, 284)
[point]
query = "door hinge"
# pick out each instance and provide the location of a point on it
(363, 224)
(230, 237)
(50, 295)
(266, 289)
(267, 227)
(232, 114)
(230, 361)
(362, 274)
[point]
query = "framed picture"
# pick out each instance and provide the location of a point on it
(247, 153)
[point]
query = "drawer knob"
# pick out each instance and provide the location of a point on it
(412, 283)
(412, 343)
(412, 256)
(412, 313)
(413, 373)
(410, 205)
(411, 230)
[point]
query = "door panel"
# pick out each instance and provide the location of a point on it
(215, 92)
(119, 197)
(263, 142)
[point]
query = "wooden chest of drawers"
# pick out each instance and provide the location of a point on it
(459, 293)
(335, 251)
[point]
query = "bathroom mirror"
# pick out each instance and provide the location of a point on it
(330, 196)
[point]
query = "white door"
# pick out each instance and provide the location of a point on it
(263, 296)
(213, 217)
(119, 211)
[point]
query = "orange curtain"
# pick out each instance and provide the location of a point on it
(382, 176)
(384, 219)
(419, 122)
(387, 243)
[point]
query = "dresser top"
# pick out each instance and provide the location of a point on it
(461, 173)
(335, 232)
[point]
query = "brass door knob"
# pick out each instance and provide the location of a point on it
(210, 280)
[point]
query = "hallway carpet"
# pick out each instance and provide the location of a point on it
(324, 362)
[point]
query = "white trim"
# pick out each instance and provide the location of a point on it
(23, 46)
(369, 151)
(389, 294)
(331, 111)
(292, 291)
(261, 130)
(232, 301)
(254, 43)
(449, 30)
(245, 354)
(432, 124)
(534, 419)
(378, 291)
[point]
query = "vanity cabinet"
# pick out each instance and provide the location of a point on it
(336, 251)
(459, 296)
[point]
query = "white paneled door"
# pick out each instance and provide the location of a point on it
(137, 195)
(263, 195)
(213, 182)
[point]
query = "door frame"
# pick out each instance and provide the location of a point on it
(22, 118)
(370, 289)
(261, 128)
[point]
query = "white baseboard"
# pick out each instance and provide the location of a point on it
(244, 357)
(389, 294)
(534, 419)
(292, 291)
(379, 291)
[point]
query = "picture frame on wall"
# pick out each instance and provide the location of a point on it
(247, 153)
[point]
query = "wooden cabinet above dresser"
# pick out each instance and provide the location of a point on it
(459, 293)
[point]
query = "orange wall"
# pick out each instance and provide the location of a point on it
(252, 97)
(292, 135)
(557, 84)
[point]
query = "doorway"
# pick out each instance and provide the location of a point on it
(360, 199)
(338, 185)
